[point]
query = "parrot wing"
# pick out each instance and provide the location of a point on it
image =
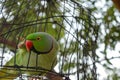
(13, 72)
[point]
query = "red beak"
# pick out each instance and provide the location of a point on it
(29, 45)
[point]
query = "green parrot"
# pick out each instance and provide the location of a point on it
(38, 52)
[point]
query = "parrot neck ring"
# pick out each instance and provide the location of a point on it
(39, 52)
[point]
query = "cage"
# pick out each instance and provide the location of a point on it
(72, 25)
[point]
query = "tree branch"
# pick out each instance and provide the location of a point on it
(8, 42)
(51, 76)
(117, 4)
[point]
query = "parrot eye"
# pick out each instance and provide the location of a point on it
(38, 38)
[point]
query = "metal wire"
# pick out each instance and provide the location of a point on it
(72, 25)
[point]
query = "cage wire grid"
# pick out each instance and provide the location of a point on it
(73, 26)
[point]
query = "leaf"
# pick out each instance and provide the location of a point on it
(68, 66)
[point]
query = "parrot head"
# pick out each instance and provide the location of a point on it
(39, 42)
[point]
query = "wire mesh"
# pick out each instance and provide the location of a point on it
(72, 25)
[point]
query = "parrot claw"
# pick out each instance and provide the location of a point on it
(21, 44)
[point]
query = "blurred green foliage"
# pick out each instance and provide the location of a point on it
(64, 19)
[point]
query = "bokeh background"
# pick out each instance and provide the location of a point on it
(88, 32)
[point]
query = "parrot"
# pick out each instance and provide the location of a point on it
(38, 51)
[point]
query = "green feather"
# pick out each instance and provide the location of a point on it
(10, 74)
(46, 61)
